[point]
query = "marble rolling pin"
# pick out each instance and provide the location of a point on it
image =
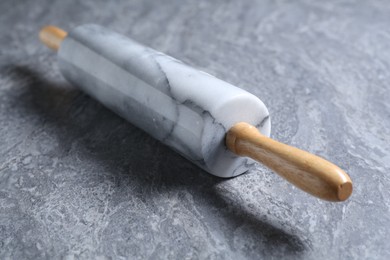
(219, 127)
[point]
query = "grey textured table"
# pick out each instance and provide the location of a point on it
(78, 181)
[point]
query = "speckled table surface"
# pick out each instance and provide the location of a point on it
(77, 181)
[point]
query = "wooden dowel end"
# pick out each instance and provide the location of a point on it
(52, 36)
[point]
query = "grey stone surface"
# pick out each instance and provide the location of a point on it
(77, 181)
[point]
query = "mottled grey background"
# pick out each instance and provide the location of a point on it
(77, 181)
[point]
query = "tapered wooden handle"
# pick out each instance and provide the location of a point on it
(305, 170)
(52, 36)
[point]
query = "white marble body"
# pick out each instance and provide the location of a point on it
(186, 109)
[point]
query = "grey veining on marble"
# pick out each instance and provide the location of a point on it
(184, 108)
(77, 181)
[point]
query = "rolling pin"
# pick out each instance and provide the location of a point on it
(219, 127)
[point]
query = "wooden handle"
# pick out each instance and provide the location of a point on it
(52, 36)
(305, 170)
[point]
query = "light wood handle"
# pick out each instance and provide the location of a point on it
(52, 36)
(307, 171)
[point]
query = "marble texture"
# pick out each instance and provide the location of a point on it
(79, 182)
(186, 109)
